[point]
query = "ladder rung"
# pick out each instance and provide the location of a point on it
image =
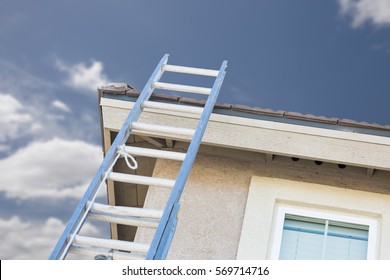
(142, 180)
(190, 70)
(163, 129)
(137, 151)
(126, 211)
(111, 244)
(122, 220)
(116, 255)
(182, 88)
(172, 107)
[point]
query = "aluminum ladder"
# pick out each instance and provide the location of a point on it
(163, 220)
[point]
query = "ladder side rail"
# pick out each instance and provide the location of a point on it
(79, 214)
(168, 235)
(74, 224)
(157, 246)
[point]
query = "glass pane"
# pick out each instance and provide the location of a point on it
(345, 243)
(301, 240)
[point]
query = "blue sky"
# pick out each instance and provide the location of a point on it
(329, 58)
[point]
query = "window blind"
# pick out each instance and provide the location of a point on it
(306, 238)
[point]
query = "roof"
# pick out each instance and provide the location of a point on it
(260, 113)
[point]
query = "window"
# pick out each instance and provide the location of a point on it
(310, 238)
(350, 212)
(303, 234)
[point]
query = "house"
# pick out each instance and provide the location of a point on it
(265, 184)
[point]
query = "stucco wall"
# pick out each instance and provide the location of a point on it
(214, 201)
(212, 208)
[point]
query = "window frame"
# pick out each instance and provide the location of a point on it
(282, 210)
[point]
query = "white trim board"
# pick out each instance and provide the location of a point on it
(368, 151)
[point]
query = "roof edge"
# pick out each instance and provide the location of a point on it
(124, 89)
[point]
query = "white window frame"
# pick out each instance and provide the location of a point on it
(282, 210)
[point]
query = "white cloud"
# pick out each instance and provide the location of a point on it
(83, 77)
(10, 109)
(376, 12)
(61, 106)
(35, 96)
(13, 117)
(27, 240)
(53, 169)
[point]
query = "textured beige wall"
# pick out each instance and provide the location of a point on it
(212, 208)
(214, 199)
